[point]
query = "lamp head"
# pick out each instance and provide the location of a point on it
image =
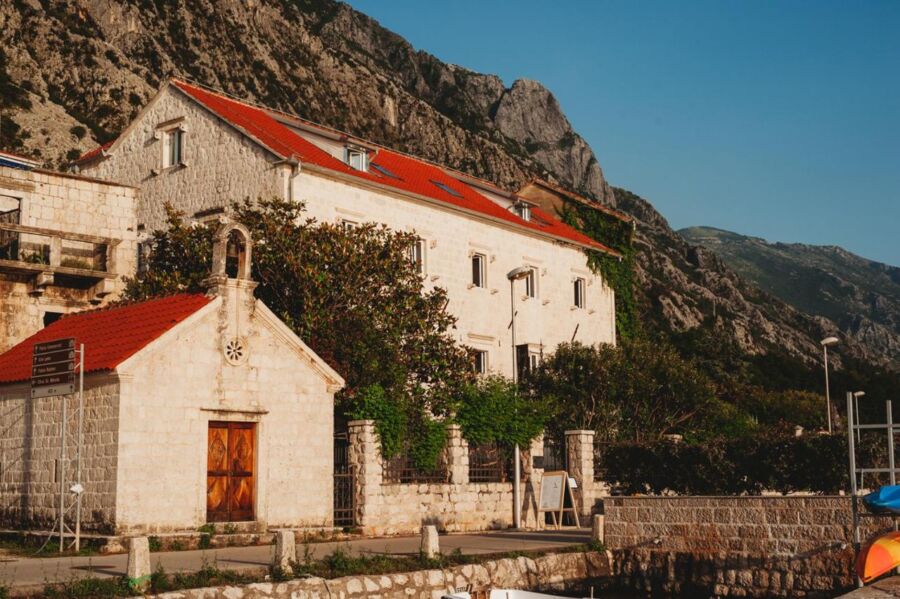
(858, 393)
(518, 273)
(829, 341)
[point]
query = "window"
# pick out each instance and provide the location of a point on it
(446, 188)
(523, 210)
(357, 159)
(173, 147)
(531, 283)
(10, 214)
(384, 171)
(480, 365)
(417, 255)
(578, 289)
(51, 317)
(346, 223)
(479, 270)
(528, 358)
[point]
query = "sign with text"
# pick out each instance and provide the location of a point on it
(53, 368)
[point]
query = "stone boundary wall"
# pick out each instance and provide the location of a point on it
(737, 546)
(557, 572)
(384, 508)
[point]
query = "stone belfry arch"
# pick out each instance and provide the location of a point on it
(231, 278)
(232, 252)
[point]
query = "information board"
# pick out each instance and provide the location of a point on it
(553, 488)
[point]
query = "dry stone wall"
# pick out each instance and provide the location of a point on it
(736, 546)
(560, 572)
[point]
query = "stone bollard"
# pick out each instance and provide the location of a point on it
(430, 546)
(597, 529)
(138, 571)
(285, 550)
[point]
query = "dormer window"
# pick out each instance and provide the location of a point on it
(357, 158)
(522, 210)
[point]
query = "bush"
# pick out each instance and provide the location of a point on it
(745, 465)
(493, 411)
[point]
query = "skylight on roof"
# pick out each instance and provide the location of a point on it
(452, 192)
(384, 171)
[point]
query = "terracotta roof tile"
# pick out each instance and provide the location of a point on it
(110, 335)
(412, 175)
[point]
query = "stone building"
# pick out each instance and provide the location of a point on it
(65, 242)
(201, 150)
(198, 408)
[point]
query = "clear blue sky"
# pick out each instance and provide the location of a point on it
(775, 119)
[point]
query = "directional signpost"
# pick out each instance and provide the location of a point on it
(53, 366)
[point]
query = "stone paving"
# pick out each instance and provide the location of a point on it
(881, 589)
(19, 571)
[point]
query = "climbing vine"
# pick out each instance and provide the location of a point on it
(617, 272)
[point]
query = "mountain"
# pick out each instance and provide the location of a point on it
(73, 73)
(860, 295)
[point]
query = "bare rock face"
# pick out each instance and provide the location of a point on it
(73, 74)
(531, 115)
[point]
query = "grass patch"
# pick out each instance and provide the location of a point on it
(22, 545)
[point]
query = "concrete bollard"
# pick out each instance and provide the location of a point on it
(597, 529)
(138, 570)
(430, 546)
(285, 550)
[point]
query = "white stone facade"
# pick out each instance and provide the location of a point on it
(147, 422)
(67, 218)
(224, 165)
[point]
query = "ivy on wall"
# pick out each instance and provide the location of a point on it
(618, 273)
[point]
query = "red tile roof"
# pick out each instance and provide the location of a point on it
(94, 152)
(110, 336)
(413, 175)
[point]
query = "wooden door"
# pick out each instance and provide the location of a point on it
(229, 472)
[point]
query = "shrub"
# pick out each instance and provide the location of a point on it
(747, 465)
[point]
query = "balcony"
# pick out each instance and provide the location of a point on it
(49, 257)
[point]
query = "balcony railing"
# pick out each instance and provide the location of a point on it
(25, 249)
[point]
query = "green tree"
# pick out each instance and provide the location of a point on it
(642, 389)
(351, 293)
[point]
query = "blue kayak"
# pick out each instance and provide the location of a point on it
(885, 500)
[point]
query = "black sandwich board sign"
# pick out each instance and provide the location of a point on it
(53, 368)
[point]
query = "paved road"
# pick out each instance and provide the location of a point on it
(16, 571)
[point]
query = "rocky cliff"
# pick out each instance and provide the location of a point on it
(73, 73)
(861, 296)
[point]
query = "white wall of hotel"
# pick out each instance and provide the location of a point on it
(223, 165)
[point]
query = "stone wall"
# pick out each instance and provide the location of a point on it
(384, 508)
(221, 166)
(30, 449)
(755, 546)
(560, 572)
(67, 204)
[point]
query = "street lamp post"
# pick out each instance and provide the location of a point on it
(856, 396)
(825, 343)
(514, 275)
